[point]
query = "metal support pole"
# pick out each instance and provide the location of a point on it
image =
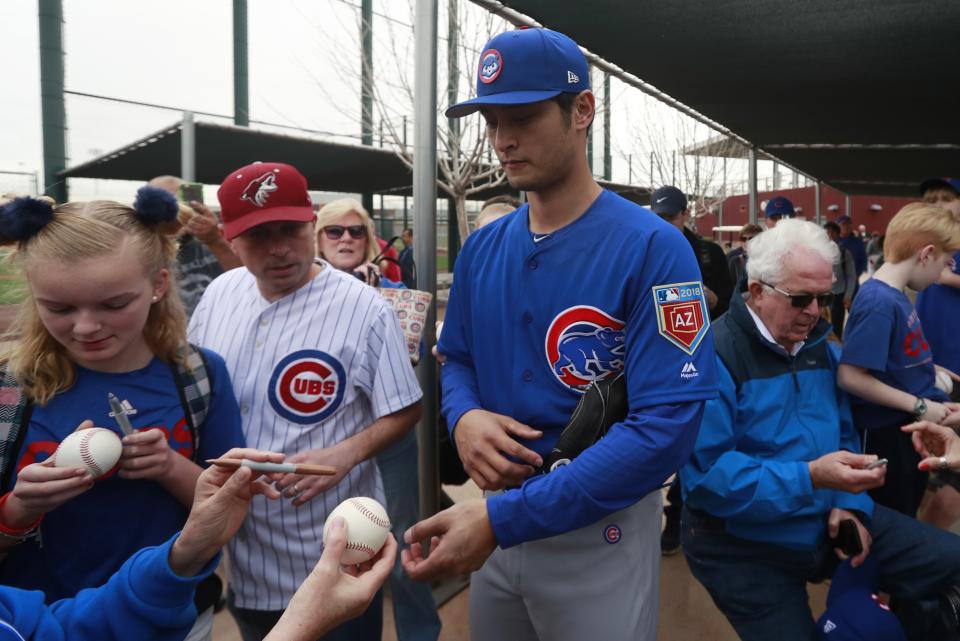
(425, 231)
(188, 148)
(752, 183)
(241, 86)
(453, 67)
(607, 158)
(52, 104)
(776, 176)
(630, 169)
(406, 209)
(816, 203)
(366, 84)
(651, 186)
(848, 205)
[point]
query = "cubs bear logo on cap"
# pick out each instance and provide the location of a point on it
(524, 66)
(491, 63)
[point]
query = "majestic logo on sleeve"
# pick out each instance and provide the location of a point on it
(491, 64)
(682, 316)
(307, 386)
(585, 344)
(259, 189)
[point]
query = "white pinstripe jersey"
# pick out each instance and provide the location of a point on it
(308, 370)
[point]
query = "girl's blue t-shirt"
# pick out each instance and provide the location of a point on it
(85, 540)
(884, 336)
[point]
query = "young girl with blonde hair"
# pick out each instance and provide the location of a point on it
(101, 317)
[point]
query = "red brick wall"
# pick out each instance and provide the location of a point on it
(736, 211)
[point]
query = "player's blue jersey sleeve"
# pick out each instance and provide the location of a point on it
(457, 374)
(633, 459)
(143, 600)
(221, 430)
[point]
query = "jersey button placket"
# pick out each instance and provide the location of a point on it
(527, 375)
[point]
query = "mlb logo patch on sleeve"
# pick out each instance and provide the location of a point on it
(682, 316)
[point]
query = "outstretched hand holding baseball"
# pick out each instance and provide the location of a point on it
(484, 440)
(220, 504)
(460, 538)
(333, 593)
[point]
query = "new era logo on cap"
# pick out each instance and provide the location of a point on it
(572, 78)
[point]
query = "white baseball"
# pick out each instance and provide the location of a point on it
(944, 382)
(96, 450)
(367, 528)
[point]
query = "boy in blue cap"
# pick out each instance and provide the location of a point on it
(574, 287)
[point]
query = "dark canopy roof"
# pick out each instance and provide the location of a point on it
(327, 166)
(782, 73)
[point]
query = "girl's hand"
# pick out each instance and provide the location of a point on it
(40, 488)
(146, 455)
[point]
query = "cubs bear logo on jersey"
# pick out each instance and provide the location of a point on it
(307, 386)
(682, 316)
(585, 344)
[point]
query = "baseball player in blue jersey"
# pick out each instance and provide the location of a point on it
(574, 287)
(320, 369)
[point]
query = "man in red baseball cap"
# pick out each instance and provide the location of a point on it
(320, 369)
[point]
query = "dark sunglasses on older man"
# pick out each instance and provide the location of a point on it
(334, 232)
(802, 300)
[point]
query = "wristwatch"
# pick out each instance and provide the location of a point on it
(919, 408)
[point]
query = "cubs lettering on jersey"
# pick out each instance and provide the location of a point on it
(307, 386)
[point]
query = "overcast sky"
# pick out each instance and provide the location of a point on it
(302, 60)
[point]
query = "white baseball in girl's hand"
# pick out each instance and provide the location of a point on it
(367, 528)
(96, 450)
(944, 382)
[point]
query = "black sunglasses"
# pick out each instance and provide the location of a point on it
(802, 300)
(334, 232)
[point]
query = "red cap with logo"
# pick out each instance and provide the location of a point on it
(260, 193)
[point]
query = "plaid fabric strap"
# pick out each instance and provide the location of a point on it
(12, 403)
(193, 379)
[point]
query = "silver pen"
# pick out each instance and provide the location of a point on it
(119, 414)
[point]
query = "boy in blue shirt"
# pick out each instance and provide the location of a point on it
(886, 362)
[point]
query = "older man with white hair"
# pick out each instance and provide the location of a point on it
(776, 482)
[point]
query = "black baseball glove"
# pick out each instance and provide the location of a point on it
(603, 404)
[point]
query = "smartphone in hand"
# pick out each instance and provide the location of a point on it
(191, 192)
(848, 538)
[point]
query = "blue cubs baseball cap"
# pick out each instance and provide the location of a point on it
(779, 207)
(939, 183)
(668, 201)
(524, 66)
(854, 613)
